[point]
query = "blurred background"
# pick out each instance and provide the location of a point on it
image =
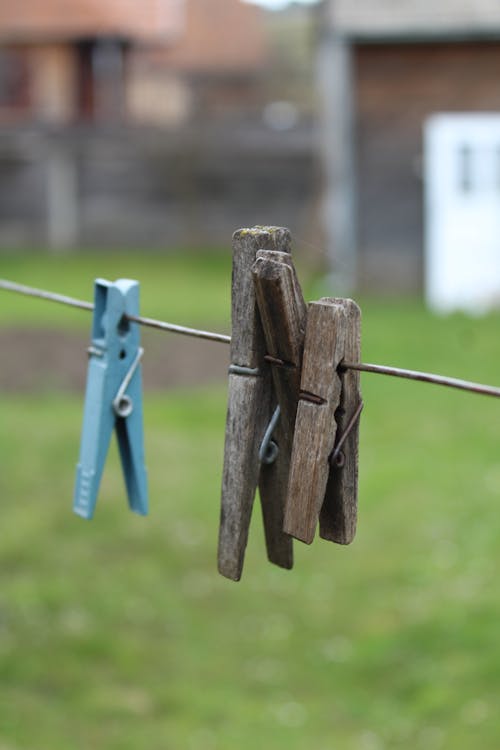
(134, 139)
(368, 129)
(154, 124)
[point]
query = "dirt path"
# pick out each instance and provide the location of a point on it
(46, 359)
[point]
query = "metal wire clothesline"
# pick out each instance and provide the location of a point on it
(397, 372)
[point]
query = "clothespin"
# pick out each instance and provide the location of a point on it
(113, 399)
(250, 409)
(283, 315)
(324, 471)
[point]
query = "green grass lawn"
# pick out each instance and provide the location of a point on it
(192, 288)
(119, 634)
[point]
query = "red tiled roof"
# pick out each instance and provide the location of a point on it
(39, 20)
(219, 36)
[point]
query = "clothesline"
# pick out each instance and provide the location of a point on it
(11, 286)
(398, 372)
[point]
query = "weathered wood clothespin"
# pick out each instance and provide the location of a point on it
(283, 315)
(329, 407)
(250, 408)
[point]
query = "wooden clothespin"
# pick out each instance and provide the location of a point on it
(328, 411)
(113, 398)
(250, 408)
(283, 315)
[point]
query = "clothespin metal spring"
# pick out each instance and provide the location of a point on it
(337, 457)
(123, 404)
(268, 451)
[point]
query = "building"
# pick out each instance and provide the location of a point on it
(216, 67)
(64, 64)
(386, 69)
(126, 123)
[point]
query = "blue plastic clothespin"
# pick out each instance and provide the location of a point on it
(113, 399)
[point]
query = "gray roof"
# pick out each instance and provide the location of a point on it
(424, 18)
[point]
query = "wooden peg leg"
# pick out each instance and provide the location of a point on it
(247, 417)
(272, 479)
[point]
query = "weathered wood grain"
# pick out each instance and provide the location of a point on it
(249, 401)
(338, 516)
(315, 426)
(247, 417)
(283, 313)
(247, 342)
